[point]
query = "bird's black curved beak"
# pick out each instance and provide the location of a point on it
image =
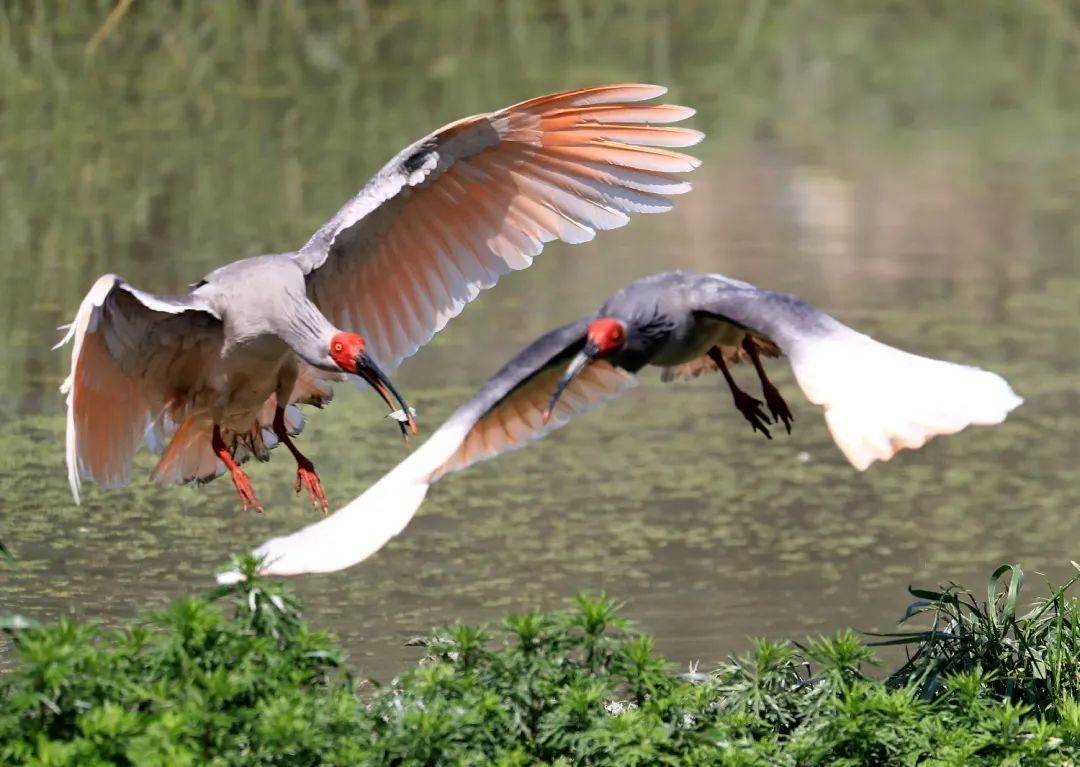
(369, 371)
(579, 363)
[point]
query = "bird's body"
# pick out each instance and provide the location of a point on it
(691, 340)
(212, 378)
(252, 359)
(181, 368)
(663, 307)
(263, 349)
(877, 399)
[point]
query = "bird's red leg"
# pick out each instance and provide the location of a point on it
(779, 409)
(239, 478)
(747, 405)
(305, 469)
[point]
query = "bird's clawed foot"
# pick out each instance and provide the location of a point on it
(749, 406)
(239, 478)
(306, 477)
(751, 409)
(245, 490)
(305, 469)
(781, 413)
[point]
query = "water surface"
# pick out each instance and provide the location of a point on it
(895, 172)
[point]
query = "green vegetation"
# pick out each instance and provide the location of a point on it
(187, 134)
(1030, 659)
(193, 685)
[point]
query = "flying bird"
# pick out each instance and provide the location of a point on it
(877, 399)
(212, 378)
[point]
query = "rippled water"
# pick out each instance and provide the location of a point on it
(950, 229)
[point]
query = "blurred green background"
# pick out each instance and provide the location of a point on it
(911, 167)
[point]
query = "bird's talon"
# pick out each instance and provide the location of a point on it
(306, 477)
(245, 491)
(781, 413)
(752, 410)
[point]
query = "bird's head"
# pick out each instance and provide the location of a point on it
(349, 352)
(606, 336)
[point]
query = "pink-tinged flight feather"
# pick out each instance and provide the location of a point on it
(480, 197)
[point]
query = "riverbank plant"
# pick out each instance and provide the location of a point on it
(237, 677)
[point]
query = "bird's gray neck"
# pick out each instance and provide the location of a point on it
(304, 328)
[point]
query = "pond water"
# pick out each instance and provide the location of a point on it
(915, 178)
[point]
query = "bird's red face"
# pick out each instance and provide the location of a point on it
(606, 335)
(349, 352)
(345, 348)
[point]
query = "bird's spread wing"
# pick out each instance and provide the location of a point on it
(505, 414)
(878, 400)
(135, 361)
(456, 210)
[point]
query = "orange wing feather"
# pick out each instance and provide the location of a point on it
(137, 361)
(481, 196)
(108, 428)
(518, 419)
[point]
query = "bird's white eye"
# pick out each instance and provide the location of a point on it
(337, 346)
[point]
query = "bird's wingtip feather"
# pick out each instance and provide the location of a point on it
(654, 89)
(69, 330)
(688, 137)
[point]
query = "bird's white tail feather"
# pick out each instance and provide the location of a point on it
(879, 400)
(358, 530)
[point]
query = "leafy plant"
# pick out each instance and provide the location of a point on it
(1032, 658)
(236, 677)
(184, 686)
